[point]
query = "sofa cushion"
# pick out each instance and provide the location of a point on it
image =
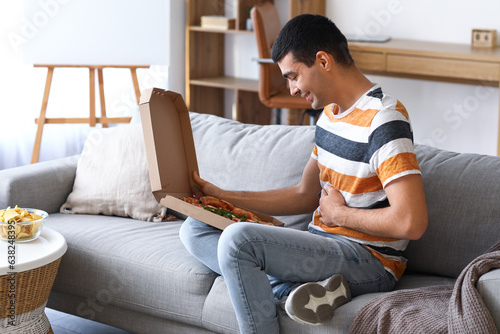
(140, 266)
(463, 196)
(488, 287)
(237, 156)
(112, 176)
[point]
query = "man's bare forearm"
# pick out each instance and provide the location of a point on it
(285, 201)
(297, 199)
(405, 218)
(384, 222)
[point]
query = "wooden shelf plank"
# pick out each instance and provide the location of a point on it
(429, 49)
(220, 31)
(310, 6)
(249, 85)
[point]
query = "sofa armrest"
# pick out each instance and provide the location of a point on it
(44, 185)
(488, 287)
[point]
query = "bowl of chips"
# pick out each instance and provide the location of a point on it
(21, 225)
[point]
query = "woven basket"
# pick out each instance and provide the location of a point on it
(31, 289)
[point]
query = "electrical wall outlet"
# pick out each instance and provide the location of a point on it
(483, 38)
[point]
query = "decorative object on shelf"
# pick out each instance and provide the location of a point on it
(368, 39)
(484, 38)
(217, 22)
(249, 25)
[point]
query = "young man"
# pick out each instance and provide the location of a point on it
(371, 195)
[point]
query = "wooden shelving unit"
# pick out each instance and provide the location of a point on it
(205, 49)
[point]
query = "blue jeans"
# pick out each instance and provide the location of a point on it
(261, 264)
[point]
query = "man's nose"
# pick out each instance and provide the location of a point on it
(294, 90)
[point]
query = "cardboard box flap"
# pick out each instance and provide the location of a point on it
(169, 143)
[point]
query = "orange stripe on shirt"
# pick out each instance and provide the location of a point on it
(401, 108)
(396, 267)
(397, 164)
(357, 117)
(331, 110)
(349, 183)
(315, 150)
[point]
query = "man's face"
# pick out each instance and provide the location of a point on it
(304, 81)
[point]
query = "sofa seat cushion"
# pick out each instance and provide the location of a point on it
(218, 313)
(143, 267)
(137, 265)
(219, 316)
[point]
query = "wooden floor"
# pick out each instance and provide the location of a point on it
(63, 323)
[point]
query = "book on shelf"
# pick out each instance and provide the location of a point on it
(217, 22)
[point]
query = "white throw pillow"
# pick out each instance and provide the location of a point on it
(112, 176)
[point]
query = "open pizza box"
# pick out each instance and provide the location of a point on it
(172, 157)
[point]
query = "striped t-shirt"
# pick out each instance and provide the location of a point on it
(359, 152)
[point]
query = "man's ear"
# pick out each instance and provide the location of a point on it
(325, 60)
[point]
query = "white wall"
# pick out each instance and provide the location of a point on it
(457, 117)
(30, 30)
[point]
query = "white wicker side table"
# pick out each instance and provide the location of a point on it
(27, 273)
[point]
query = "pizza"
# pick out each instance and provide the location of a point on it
(225, 209)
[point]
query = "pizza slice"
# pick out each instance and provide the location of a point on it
(225, 209)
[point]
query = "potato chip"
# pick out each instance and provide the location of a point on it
(10, 215)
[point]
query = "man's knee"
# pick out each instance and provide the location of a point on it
(190, 231)
(238, 233)
(237, 239)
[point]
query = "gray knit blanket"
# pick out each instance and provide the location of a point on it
(436, 309)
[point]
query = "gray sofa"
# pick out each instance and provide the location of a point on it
(137, 275)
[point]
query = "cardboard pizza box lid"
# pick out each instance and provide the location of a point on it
(169, 143)
(171, 155)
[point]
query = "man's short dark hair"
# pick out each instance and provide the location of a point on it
(305, 35)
